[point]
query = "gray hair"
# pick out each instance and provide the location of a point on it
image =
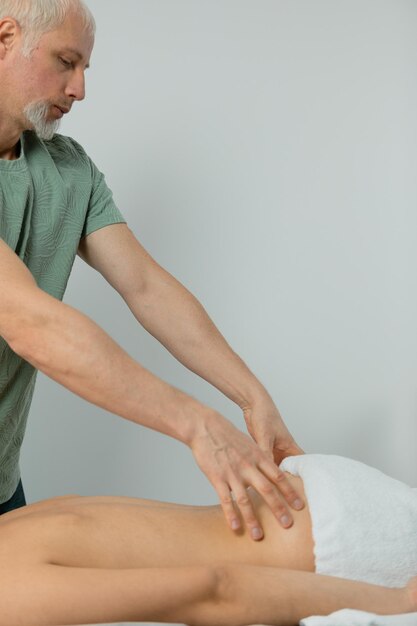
(37, 17)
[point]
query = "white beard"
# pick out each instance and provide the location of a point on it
(36, 114)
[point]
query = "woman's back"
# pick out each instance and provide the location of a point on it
(107, 531)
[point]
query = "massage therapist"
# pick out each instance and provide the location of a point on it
(55, 204)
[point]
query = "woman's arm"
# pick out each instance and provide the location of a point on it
(51, 595)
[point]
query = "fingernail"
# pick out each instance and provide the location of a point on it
(297, 504)
(235, 524)
(256, 533)
(285, 520)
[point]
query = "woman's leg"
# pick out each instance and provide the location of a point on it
(50, 595)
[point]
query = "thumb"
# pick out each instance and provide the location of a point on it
(291, 450)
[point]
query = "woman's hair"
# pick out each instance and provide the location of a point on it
(37, 17)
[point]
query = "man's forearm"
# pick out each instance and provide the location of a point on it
(70, 348)
(177, 319)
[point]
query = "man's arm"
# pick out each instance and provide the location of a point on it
(71, 349)
(169, 312)
(175, 317)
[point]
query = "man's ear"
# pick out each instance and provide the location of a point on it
(9, 30)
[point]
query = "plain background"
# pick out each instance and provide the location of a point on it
(264, 152)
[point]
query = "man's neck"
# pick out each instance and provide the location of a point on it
(10, 153)
(10, 134)
(10, 123)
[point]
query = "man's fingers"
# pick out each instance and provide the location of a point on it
(272, 485)
(271, 471)
(227, 504)
(238, 498)
(268, 491)
(245, 506)
(292, 450)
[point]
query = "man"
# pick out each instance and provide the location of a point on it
(54, 204)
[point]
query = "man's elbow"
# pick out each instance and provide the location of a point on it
(23, 343)
(21, 327)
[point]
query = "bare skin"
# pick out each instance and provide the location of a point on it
(78, 560)
(71, 349)
(143, 533)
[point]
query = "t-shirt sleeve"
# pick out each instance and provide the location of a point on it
(102, 210)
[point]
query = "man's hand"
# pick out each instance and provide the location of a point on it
(233, 462)
(266, 427)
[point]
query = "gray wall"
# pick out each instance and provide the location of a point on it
(264, 152)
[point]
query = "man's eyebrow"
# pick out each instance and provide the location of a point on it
(78, 54)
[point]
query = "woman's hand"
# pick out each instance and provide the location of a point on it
(232, 462)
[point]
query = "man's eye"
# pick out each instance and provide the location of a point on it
(66, 63)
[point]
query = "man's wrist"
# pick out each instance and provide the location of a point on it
(196, 421)
(254, 395)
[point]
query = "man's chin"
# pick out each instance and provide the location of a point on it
(47, 131)
(44, 130)
(37, 120)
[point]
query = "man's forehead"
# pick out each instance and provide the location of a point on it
(72, 37)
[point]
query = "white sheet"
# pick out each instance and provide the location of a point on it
(348, 617)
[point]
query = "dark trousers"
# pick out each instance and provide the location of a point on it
(16, 501)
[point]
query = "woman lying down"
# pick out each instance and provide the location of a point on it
(78, 560)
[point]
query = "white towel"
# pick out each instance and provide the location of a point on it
(364, 522)
(347, 617)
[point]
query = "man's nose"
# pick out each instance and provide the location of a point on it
(76, 87)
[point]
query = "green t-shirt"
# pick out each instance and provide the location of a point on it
(50, 197)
